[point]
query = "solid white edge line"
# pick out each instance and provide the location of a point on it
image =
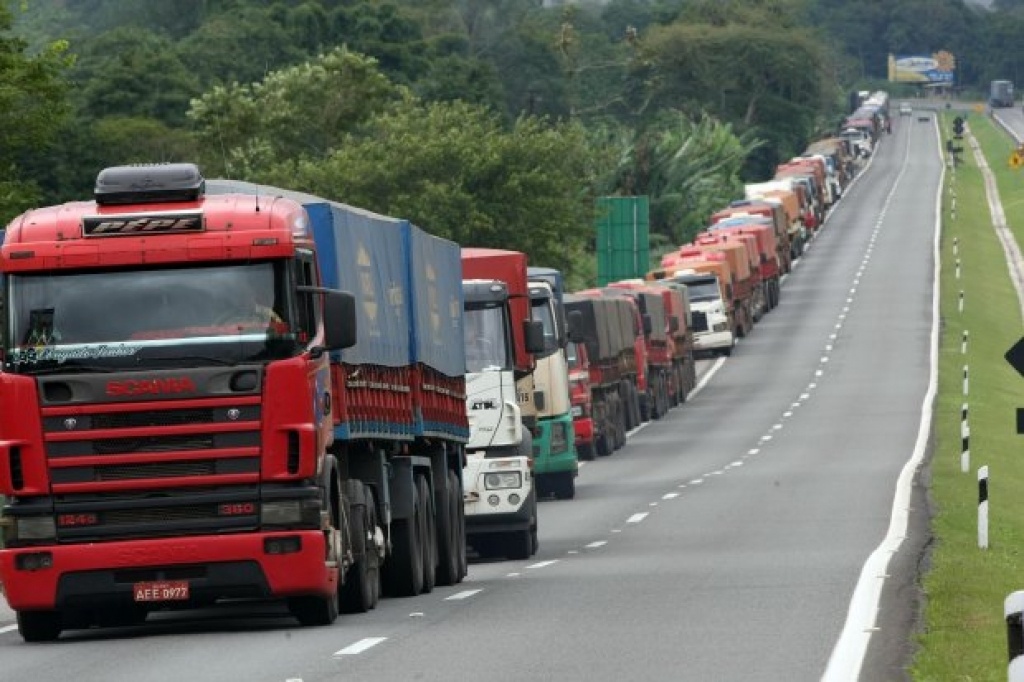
(360, 646)
(7, 628)
(848, 654)
(705, 379)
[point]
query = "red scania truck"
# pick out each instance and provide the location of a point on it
(219, 391)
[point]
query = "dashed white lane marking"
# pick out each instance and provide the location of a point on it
(513, 575)
(787, 414)
(697, 481)
(360, 646)
(542, 564)
(652, 504)
(637, 518)
(670, 496)
(597, 543)
(465, 594)
(737, 463)
(753, 451)
(8, 628)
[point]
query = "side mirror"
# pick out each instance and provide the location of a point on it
(339, 320)
(533, 333)
(576, 327)
(648, 326)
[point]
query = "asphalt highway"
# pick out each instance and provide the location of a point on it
(726, 541)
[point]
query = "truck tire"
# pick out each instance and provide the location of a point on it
(633, 405)
(451, 533)
(585, 451)
(39, 626)
(520, 544)
(403, 572)
(564, 485)
(428, 522)
(602, 443)
(361, 589)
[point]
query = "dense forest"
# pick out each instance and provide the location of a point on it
(491, 122)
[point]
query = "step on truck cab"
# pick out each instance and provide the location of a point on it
(193, 410)
(556, 464)
(501, 339)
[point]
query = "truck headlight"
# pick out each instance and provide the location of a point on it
(503, 479)
(35, 528)
(290, 513)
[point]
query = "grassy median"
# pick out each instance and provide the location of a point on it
(963, 635)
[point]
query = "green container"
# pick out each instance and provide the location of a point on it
(623, 238)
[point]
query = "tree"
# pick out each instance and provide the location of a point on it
(299, 112)
(453, 169)
(33, 103)
(131, 72)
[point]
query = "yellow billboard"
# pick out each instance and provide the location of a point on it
(939, 68)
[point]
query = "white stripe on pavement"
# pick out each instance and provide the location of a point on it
(8, 628)
(465, 594)
(360, 646)
(637, 518)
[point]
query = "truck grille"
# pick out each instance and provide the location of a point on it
(123, 420)
(120, 446)
(700, 321)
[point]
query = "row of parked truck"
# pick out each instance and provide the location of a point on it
(217, 390)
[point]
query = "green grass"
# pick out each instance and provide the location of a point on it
(963, 634)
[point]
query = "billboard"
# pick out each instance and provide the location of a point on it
(939, 68)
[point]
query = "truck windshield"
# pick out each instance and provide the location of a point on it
(114, 320)
(486, 341)
(542, 311)
(703, 290)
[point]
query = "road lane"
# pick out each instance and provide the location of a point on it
(722, 543)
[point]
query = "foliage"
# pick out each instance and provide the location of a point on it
(455, 170)
(298, 112)
(32, 107)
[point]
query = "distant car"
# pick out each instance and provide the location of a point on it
(906, 109)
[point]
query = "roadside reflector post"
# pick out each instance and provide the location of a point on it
(961, 303)
(983, 507)
(956, 245)
(965, 380)
(1013, 608)
(963, 344)
(965, 441)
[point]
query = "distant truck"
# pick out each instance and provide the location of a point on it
(556, 464)
(1000, 94)
(213, 397)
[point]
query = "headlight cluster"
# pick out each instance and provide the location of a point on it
(502, 480)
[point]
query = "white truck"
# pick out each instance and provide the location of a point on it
(712, 326)
(500, 492)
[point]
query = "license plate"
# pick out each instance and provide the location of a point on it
(161, 590)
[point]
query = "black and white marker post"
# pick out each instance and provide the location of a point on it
(965, 441)
(1013, 609)
(983, 508)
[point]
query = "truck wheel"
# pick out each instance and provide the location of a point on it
(39, 626)
(633, 405)
(359, 592)
(429, 534)
(565, 485)
(520, 544)
(601, 444)
(314, 611)
(403, 573)
(585, 451)
(449, 569)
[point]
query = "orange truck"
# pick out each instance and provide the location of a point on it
(790, 201)
(735, 253)
(767, 211)
(768, 265)
(708, 282)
